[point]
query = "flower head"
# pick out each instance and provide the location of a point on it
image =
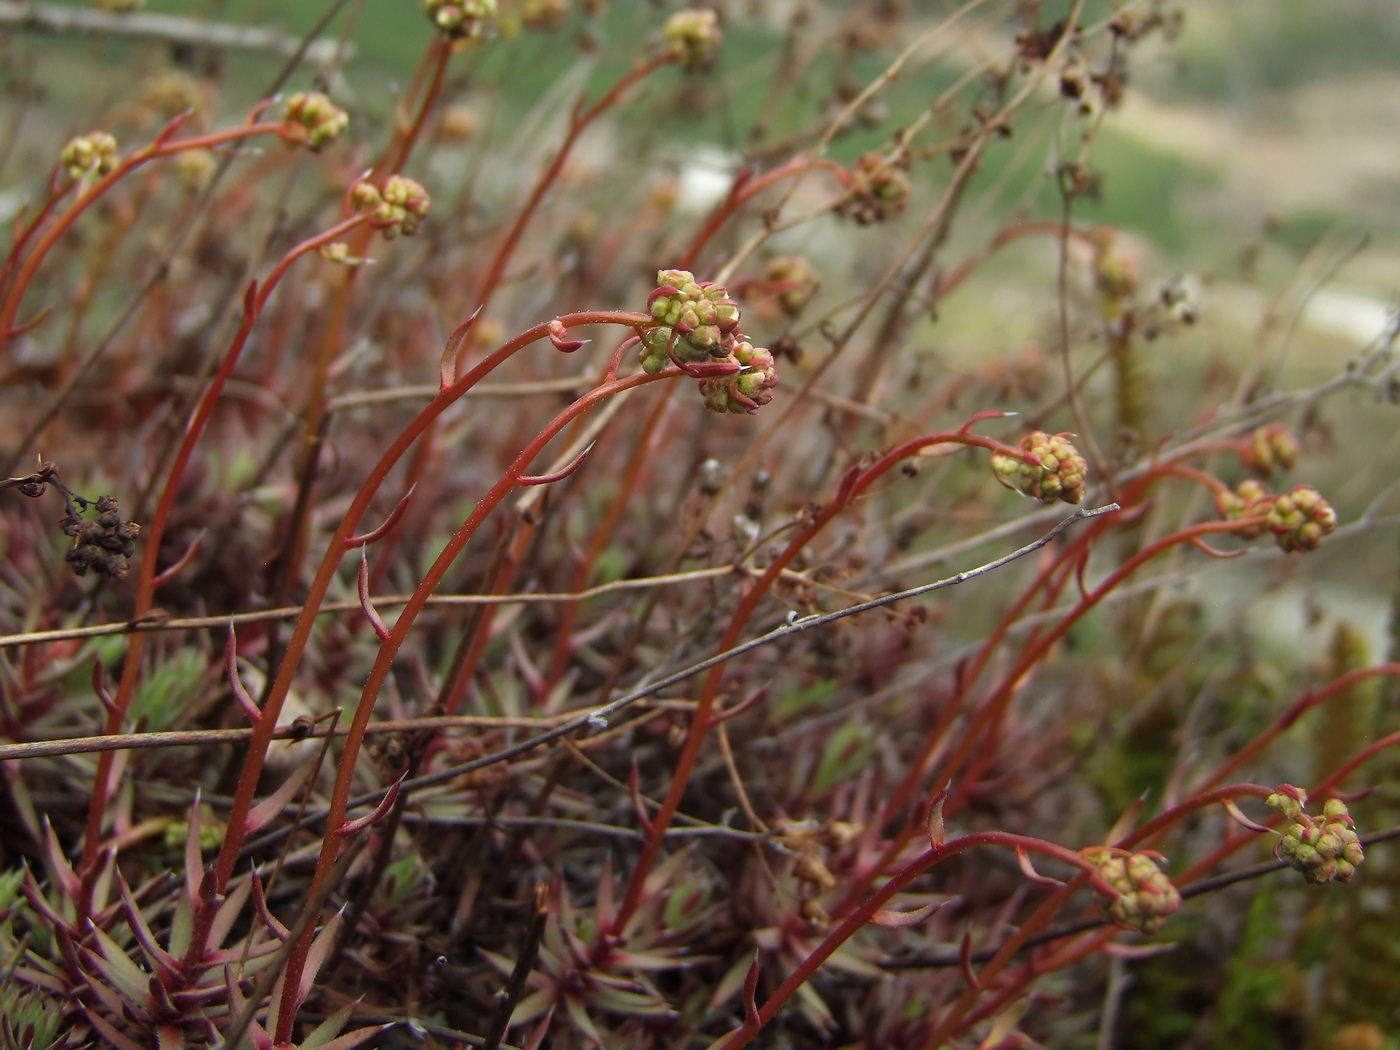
(398, 206)
(1269, 448)
(1300, 518)
(91, 154)
(878, 189)
(1324, 849)
(692, 36)
(1057, 474)
(1145, 896)
(459, 19)
(313, 119)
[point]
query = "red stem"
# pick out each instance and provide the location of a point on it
(389, 647)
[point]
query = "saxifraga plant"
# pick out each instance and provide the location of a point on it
(658, 747)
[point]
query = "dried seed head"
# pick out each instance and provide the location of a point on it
(878, 189)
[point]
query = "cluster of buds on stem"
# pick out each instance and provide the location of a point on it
(398, 206)
(699, 333)
(459, 19)
(1323, 849)
(792, 282)
(1057, 472)
(311, 119)
(1135, 892)
(877, 190)
(1267, 449)
(87, 155)
(692, 37)
(104, 545)
(1299, 518)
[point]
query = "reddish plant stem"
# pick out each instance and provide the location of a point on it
(855, 482)
(578, 124)
(339, 544)
(990, 713)
(56, 194)
(855, 920)
(568, 615)
(255, 300)
(155, 151)
(744, 190)
(389, 647)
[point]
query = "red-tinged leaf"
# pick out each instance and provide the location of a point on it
(271, 806)
(329, 1028)
(559, 336)
(750, 990)
(533, 1005)
(354, 827)
(260, 903)
(393, 519)
(171, 126)
(119, 1041)
(603, 909)
(235, 683)
(986, 413)
(229, 911)
(1136, 951)
(447, 367)
(578, 1015)
(194, 856)
(723, 1041)
(1126, 821)
(365, 604)
(117, 967)
(60, 871)
(168, 1037)
(537, 1036)
(558, 475)
(99, 686)
(635, 791)
(166, 575)
(320, 949)
(937, 834)
(1239, 816)
(356, 1038)
(653, 962)
(1028, 869)
(39, 979)
(897, 919)
(160, 959)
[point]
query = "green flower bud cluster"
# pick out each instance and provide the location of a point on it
(1145, 896)
(1250, 499)
(459, 19)
(692, 36)
(1060, 475)
(877, 190)
(398, 206)
(312, 119)
(699, 331)
(1267, 449)
(93, 154)
(1300, 518)
(1323, 850)
(749, 389)
(700, 322)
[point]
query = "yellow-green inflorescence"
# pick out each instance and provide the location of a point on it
(398, 206)
(1299, 518)
(1059, 475)
(692, 36)
(92, 154)
(699, 332)
(459, 19)
(313, 119)
(1324, 849)
(1145, 896)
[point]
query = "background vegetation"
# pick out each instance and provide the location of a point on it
(1172, 233)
